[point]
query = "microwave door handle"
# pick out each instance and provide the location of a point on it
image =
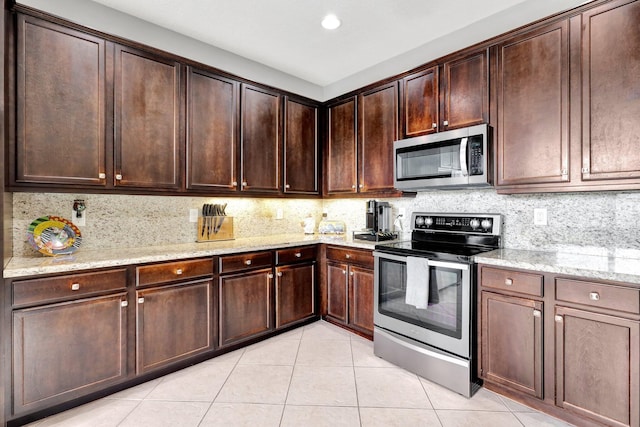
(463, 157)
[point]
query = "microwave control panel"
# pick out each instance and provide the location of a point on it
(476, 163)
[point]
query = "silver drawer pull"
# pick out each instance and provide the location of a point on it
(537, 313)
(124, 303)
(508, 281)
(102, 175)
(594, 296)
(140, 300)
(298, 254)
(75, 287)
(118, 177)
(179, 271)
(248, 262)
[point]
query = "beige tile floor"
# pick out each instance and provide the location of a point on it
(317, 375)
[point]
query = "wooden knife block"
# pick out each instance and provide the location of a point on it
(207, 226)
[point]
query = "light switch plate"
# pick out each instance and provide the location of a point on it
(279, 213)
(193, 215)
(540, 216)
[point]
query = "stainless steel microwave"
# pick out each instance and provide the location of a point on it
(452, 159)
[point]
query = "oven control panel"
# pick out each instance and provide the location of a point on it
(464, 223)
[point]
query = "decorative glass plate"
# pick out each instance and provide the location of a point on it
(54, 235)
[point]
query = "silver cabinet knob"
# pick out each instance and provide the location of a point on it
(434, 125)
(279, 273)
(348, 256)
(344, 272)
(594, 296)
(270, 276)
(287, 186)
(537, 313)
(140, 300)
(351, 273)
(361, 185)
(179, 271)
(102, 175)
(244, 183)
(446, 123)
(558, 319)
(119, 177)
(75, 286)
(508, 281)
(248, 262)
(124, 304)
(353, 186)
(234, 183)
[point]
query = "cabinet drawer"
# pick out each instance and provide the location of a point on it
(171, 271)
(513, 281)
(291, 255)
(598, 295)
(47, 289)
(352, 256)
(252, 260)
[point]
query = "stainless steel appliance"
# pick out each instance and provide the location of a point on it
(379, 222)
(455, 158)
(425, 296)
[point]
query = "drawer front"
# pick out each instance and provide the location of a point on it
(247, 261)
(172, 271)
(291, 255)
(598, 295)
(47, 289)
(513, 281)
(352, 256)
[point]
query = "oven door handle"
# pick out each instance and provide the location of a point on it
(452, 265)
(391, 257)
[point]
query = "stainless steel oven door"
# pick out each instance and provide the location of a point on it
(428, 301)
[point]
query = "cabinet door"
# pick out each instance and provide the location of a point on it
(337, 291)
(61, 105)
(598, 366)
(173, 323)
(212, 111)
(260, 139)
(147, 120)
(341, 156)
(361, 299)
(611, 101)
(300, 148)
(420, 103)
(378, 119)
(295, 293)
(245, 305)
(512, 342)
(533, 107)
(63, 351)
(466, 91)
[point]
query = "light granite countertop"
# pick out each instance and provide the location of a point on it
(83, 260)
(616, 267)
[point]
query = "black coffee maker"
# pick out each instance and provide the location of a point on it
(379, 222)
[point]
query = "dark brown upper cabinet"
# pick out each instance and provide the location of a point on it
(341, 153)
(533, 107)
(610, 93)
(147, 128)
(61, 105)
(360, 142)
(300, 147)
(212, 118)
(260, 140)
(378, 125)
(448, 96)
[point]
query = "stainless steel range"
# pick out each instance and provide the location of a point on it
(425, 296)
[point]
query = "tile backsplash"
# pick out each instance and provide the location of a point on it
(577, 222)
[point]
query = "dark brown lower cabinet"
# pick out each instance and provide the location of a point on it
(66, 350)
(245, 305)
(295, 293)
(350, 296)
(512, 342)
(174, 322)
(598, 366)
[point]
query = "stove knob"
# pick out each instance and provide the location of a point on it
(474, 223)
(486, 224)
(428, 221)
(419, 220)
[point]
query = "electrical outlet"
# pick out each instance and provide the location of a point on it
(193, 215)
(79, 221)
(540, 216)
(279, 214)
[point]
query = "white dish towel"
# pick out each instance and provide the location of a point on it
(417, 293)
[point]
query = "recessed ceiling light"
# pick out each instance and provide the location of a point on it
(331, 22)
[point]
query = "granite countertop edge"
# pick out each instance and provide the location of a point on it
(603, 267)
(85, 260)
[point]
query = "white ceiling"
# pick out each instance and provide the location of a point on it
(281, 43)
(286, 34)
